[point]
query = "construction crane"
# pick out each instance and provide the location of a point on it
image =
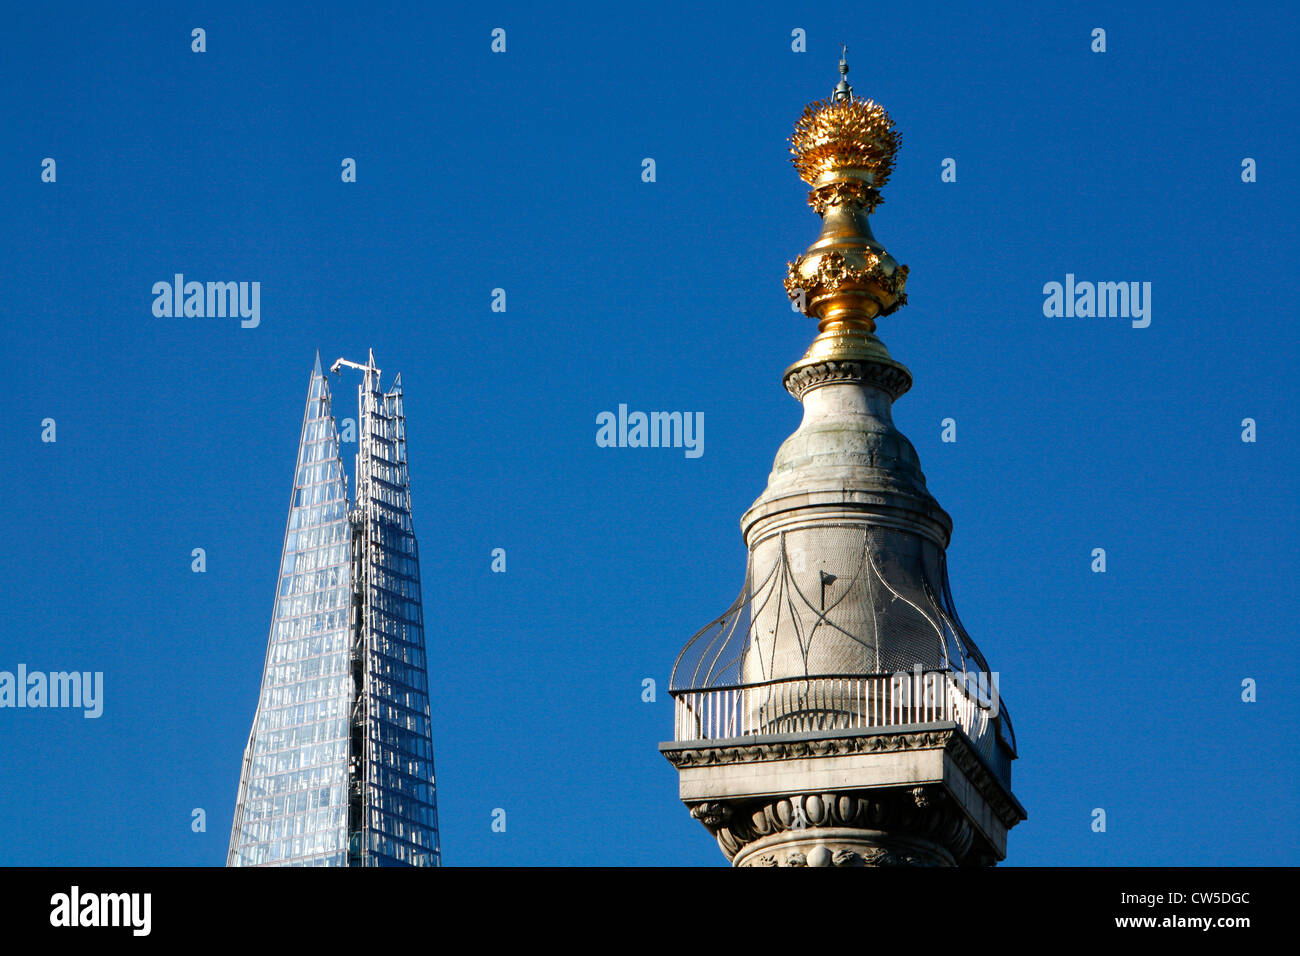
(368, 367)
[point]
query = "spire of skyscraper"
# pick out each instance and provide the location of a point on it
(339, 765)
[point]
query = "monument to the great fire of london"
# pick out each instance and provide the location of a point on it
(838, 714)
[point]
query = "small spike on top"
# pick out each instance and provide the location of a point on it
(842, 89)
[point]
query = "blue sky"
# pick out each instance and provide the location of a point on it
(522, 171)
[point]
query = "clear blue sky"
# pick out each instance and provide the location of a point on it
(523, 171)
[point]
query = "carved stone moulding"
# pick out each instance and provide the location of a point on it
(891, 379)
(894, 826)
(818, 747)
(832, 848)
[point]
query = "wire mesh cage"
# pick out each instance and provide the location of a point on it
(829, 619)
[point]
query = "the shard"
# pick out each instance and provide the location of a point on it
(338, 770)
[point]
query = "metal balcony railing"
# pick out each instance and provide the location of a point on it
(849, 702)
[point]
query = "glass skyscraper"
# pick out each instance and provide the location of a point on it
(338, 770)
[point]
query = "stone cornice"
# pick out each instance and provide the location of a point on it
(764, 749)
(794, 749)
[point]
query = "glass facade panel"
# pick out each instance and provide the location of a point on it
(292, 805)
(401, 822)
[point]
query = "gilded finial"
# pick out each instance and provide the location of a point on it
(844, 148)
